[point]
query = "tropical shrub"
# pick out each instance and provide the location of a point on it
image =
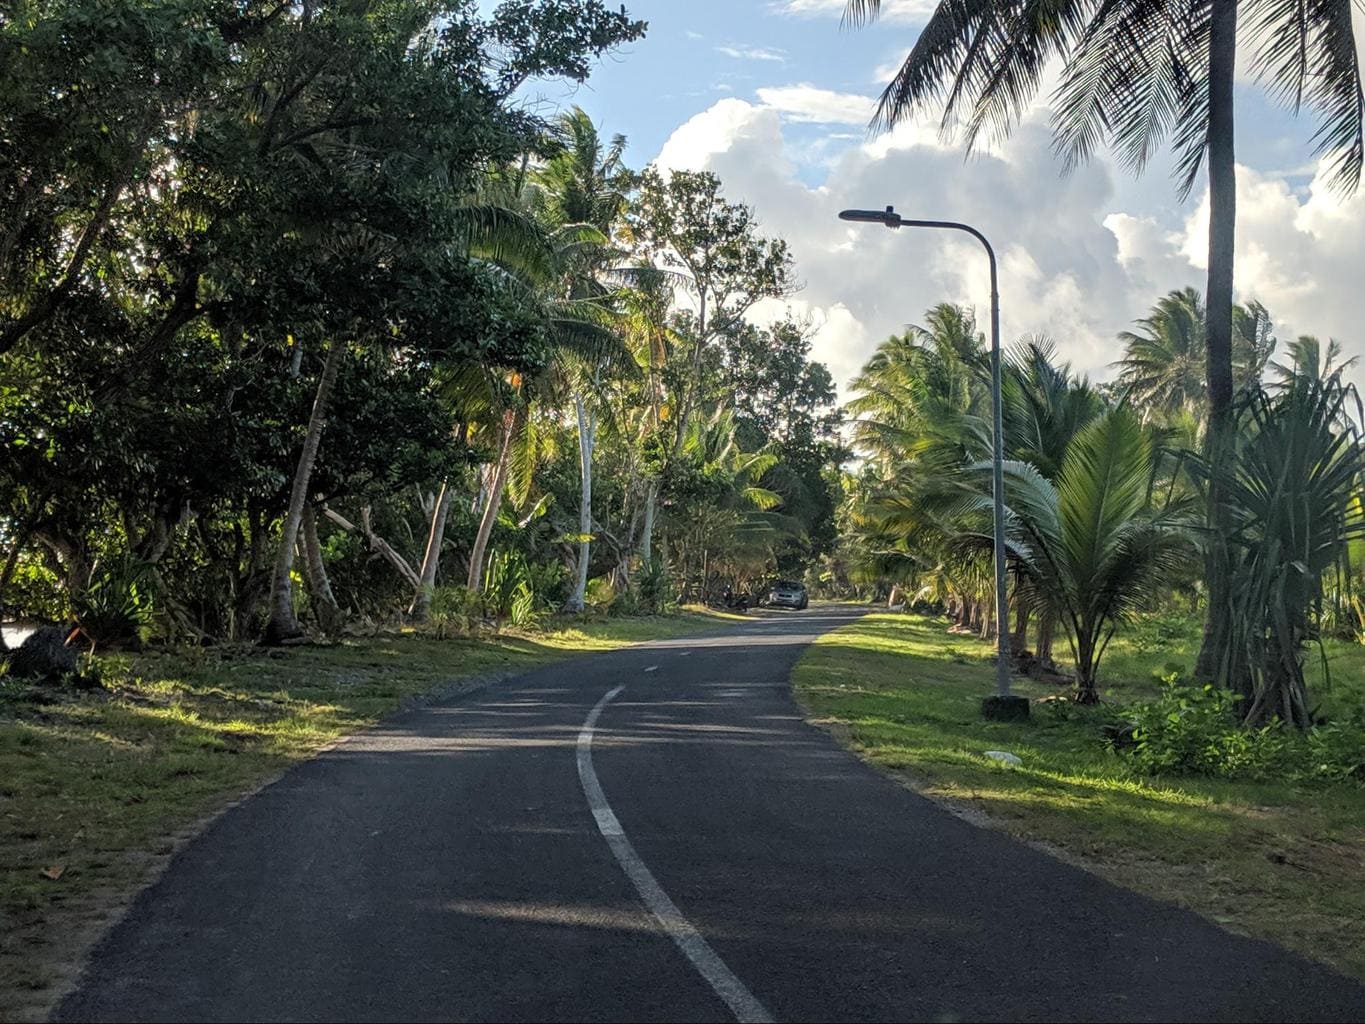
(507, 592)
(117, 607)
(1293, 490)
(455, 610)
(654, 587)
(1198, 730)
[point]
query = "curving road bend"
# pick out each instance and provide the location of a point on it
(651, 834)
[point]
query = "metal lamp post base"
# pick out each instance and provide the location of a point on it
(998, 708)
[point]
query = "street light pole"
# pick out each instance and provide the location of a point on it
(1003, 704)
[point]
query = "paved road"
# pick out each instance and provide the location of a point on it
(492, 859)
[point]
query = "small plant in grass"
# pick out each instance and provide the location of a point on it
(117, 607)
(507, 592)
(455, 611)
(654, 587)
(626, 603)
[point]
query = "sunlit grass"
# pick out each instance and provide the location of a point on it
(1285, 861)
(96, 783)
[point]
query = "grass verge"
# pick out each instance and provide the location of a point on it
(97, 788)
(1281, 861)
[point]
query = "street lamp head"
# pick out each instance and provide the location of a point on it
(888, 217)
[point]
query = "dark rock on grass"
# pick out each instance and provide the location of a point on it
(44, 655)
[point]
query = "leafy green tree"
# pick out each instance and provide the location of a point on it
(784, 403)
(683, 223)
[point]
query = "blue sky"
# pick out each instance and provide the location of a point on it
(774, 96)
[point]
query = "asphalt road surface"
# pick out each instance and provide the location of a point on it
(651, 834)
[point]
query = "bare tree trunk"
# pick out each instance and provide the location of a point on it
(431, 558)
(319, 587)
(378, 544)
(1046, 628)
(494, 503)
(283, 624)
(1019, 641)
(587, 428)
(1213, 650)
(647, 533)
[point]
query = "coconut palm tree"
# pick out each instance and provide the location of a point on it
(927, 379)
(1091, 541)
(1045, 406)
(548, 267)
(1136, 73)
(1163, 364)
(1310, 359)
(584, 183)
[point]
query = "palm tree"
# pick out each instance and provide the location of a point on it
(1163, 364)
(1309, 359)
(547, 267)
(1135, 73)
(1091, 540)
(1045, 406)
(584, 183)
(926, 380)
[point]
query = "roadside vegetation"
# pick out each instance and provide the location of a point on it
(1273, 848)
(97, 785)
(317, 334)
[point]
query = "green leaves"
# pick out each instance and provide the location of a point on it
(1293, 485)
(1135, 73)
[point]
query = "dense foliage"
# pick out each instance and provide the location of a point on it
(306, 319)
(1101, 491)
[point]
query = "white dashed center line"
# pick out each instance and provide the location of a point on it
(706, 960)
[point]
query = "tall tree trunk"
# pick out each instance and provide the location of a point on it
(319, 587)
(1047, 625)
(512, 427)
(1213, 650)
(647, 532)
(420, 608)
(587, 428)
(283, 624)
(1019, 641)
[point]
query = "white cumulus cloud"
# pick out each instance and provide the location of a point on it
(752, 53)
(891, 10)
(814, 105)
(1072, 265)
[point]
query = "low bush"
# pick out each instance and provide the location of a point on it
(455, 610)
(117, 607)
(1195, 730)
(654, 586)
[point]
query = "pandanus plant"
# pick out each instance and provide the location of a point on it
(1294, 489)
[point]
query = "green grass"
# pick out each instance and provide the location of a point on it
(1277, 860)
(100, 784)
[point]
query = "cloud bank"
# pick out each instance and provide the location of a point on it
(1071, 265)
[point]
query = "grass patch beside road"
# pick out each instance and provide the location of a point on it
(96, 786)
(1277, 860)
